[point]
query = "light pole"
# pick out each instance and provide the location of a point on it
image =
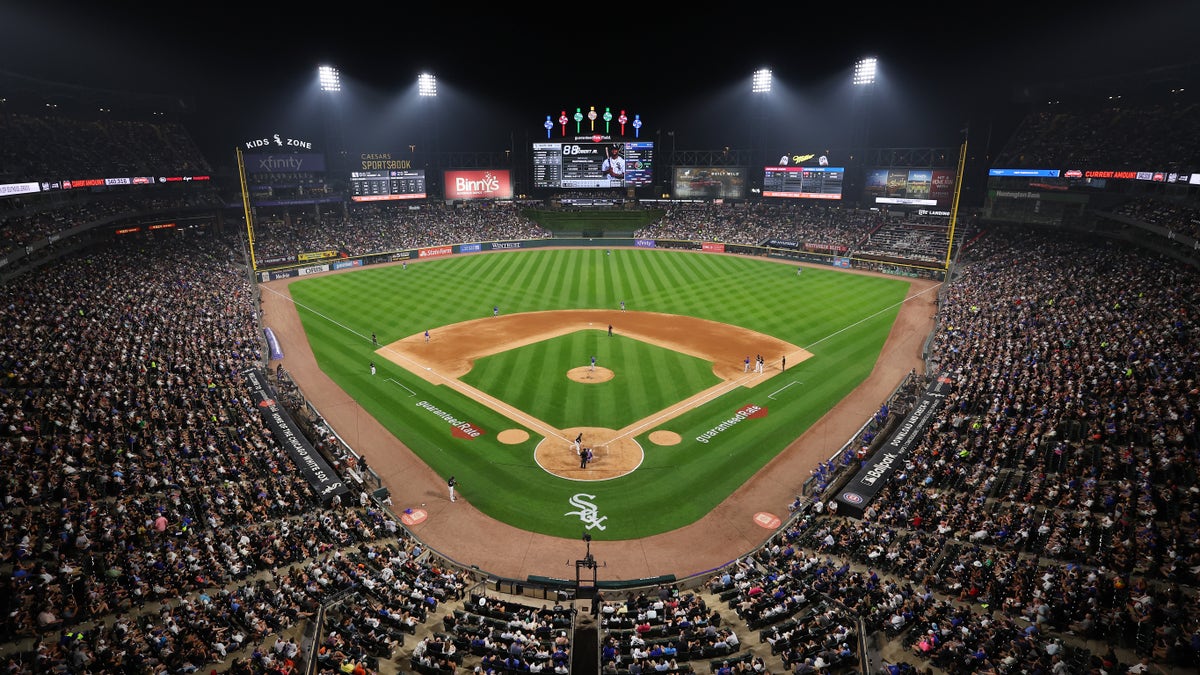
(760, 85)
(864, 85)
(427, 89)
(330, 81)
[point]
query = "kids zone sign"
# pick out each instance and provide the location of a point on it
(486, 184)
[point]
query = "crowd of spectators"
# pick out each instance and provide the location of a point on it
(140, 473)
(1179, 218)
(506, 636)
(376, 228)
(1054, 495)
(98, 148)
(24, 222)
(754, 223)
(906, 241)
(1149, 136)
(662, 632)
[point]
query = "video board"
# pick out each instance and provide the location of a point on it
(592, 162)
(709, 182)
(387, 184)
(918, 187)
(804, 182)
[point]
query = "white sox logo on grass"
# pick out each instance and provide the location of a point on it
(588, 512)
(750, 411)
(458, 428)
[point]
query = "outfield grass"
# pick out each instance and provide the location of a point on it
(842, 319)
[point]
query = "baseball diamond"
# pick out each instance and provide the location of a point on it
(638, 468)
(465, 342)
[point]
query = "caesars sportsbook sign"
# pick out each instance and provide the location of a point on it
(890, 458)
(486, 184)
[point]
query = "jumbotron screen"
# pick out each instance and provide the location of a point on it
(709, 182)
(920, 187)
(584, 163)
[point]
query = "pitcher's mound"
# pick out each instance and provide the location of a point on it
(586, 375)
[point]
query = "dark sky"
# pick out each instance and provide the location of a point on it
(249, 69)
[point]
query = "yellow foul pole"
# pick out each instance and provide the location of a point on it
(246, 208)
(958, 181)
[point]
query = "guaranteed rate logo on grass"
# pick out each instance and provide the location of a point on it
(458, 428)
(750, 411)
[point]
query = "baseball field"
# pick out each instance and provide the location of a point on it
(504, 384)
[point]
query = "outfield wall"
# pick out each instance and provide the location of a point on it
(793, 252)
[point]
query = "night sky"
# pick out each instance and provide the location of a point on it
(243, 72)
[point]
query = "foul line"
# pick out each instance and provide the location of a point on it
(729, 384)
(868, 318)
(457, 385)
(688, 404)
(397, 382)
(772, 394)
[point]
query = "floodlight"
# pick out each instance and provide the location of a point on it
(864, 71)
(761, 83)
(427, 85)
(329, 78)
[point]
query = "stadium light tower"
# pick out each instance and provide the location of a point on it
(760, 87)
(329, 79)
(431, 127)
(863, 85)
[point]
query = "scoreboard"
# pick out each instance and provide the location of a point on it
(576, 164)
(805, 182)
(371, 186)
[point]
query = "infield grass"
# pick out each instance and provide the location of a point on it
(843, 319)
(649, 378)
